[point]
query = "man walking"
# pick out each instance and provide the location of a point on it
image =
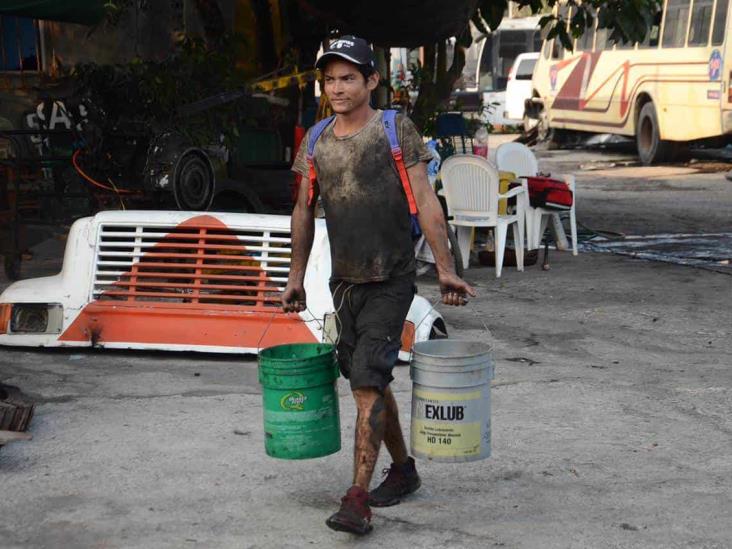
(373, 273)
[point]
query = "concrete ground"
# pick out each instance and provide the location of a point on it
(611, 415)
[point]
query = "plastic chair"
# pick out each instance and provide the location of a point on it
(472, 195)
(519, 159)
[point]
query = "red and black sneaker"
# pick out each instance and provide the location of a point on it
(400, 480)
(354, 516)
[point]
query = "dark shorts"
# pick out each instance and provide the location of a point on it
(370, 322)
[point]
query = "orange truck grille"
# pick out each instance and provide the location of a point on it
(192, 264)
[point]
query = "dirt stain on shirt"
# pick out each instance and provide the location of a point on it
(366, 210)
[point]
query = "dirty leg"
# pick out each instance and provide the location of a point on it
(370, 424)
(393, 438)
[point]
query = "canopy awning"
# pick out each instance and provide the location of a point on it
(408, 23)
(85, 12)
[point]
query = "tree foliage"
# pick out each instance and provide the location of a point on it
(625, 20)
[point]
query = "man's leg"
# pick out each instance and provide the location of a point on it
(393, 437)
(370, 425)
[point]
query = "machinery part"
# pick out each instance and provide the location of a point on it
(16, 411)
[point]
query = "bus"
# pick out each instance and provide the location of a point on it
(673, 88)
(489, 59)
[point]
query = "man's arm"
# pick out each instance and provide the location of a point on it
(434, 227)
(302, 227)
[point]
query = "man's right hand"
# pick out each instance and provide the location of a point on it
(294, 299)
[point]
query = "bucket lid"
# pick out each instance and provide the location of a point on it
(451, 355)
(451, 348)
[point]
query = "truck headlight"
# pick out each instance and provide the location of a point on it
(36, 318)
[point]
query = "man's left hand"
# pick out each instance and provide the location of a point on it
(454, 289)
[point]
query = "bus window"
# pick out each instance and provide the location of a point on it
(720, 21)
(537, 41)
(701, 20)
(601, 42)
(584, 42)
(512, 43)
(674, 27)
(651, 39)
(557, 48)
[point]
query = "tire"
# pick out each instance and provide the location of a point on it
(651, 148)
(193, 183)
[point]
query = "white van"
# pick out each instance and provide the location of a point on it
(518, 88)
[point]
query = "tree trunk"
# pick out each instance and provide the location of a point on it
(214, 27)
(436, 84)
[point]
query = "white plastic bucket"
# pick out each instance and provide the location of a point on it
(451, 400)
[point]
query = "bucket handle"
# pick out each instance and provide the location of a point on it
(271, 319)
(433, 307)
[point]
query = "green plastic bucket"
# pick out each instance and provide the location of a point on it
(300, 401)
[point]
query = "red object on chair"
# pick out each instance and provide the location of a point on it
(553, 194)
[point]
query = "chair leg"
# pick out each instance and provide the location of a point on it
(501, 230)
(529, 221)
(518, 244)
(536, 230)
(573, 228)
(464, 237)
(541, 226)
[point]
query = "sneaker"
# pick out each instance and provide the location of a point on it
(400, 480)
(354, 516)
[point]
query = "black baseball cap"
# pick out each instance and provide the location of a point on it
(349, 47)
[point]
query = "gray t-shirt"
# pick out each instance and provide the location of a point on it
(366, 210)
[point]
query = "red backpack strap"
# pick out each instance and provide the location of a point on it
(389, 122)
(315, 134)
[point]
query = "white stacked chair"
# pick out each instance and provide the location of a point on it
(520, 160)
(471, 186)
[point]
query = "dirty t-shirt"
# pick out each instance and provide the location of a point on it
(366, 210)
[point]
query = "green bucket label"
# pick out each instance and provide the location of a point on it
(293, 401)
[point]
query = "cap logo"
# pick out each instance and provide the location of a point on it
(340, 43)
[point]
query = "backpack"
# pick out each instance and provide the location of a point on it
(389, 123)
(545, 192)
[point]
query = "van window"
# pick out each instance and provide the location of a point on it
(18, 44)
(525, 69)
(677, 19)
(701, 22)
(720, 22)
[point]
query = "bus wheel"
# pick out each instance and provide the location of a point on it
(651, 149)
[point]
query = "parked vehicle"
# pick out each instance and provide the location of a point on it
(518, 88)
(182, 281)
(490, 58)
(671, 89)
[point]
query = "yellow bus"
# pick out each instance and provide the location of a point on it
(673, 88)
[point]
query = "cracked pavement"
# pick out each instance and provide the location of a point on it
(611, 418)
